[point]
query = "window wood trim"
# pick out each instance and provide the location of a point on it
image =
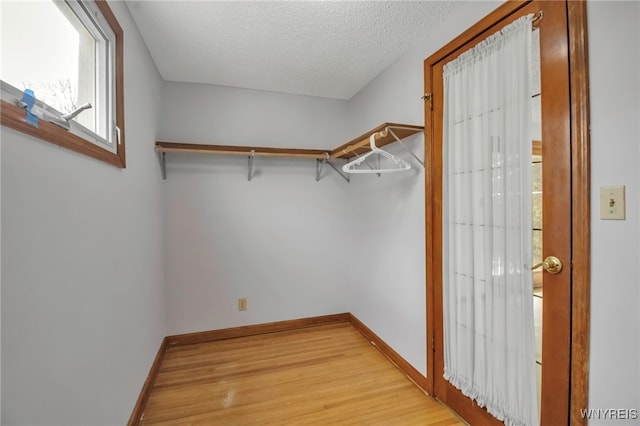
(14, 117)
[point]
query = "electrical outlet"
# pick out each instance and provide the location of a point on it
(242, 304)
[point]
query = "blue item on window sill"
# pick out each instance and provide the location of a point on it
(28, 100)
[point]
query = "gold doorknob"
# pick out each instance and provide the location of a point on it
(551, 264)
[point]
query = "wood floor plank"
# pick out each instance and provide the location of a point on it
(315, 376)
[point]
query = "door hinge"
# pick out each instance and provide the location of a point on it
(433, 344)
(428, 97)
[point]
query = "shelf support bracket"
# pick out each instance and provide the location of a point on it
(163, 164)
(320, 163)
(345, 177)
(319, 167)
(250, 175)
(405, 147)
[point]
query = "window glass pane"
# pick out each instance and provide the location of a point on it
(535, 85)
(46, 48)
(537, 246)
(535, 62)
(536, 118)
(536, 177)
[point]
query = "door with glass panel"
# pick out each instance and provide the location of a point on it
(550, 193)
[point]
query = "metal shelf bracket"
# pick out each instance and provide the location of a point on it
(320, 163)
(251, 157)
(345, 177)
(319, 167)
(163, 164)
(405, 147)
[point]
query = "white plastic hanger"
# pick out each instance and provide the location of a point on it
(395, 164)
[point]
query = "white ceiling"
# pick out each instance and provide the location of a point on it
(318, 48)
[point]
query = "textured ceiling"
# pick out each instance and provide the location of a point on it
(319, 48)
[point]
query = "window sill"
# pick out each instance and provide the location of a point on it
(14, 117)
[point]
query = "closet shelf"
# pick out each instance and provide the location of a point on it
(360, 145)
(238, 150)
(353, 148)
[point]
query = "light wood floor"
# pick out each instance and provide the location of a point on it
(322, 375)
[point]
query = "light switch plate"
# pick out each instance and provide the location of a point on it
(612, 205)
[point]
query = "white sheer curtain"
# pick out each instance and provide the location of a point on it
(489, 351)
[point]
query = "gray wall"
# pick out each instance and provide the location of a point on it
(83, 297)
(614, 67)
(281, 240)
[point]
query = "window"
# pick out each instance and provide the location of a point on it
(69, 53)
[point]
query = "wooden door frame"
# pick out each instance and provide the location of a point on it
(580, 202)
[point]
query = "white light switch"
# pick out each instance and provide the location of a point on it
(612, 202)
